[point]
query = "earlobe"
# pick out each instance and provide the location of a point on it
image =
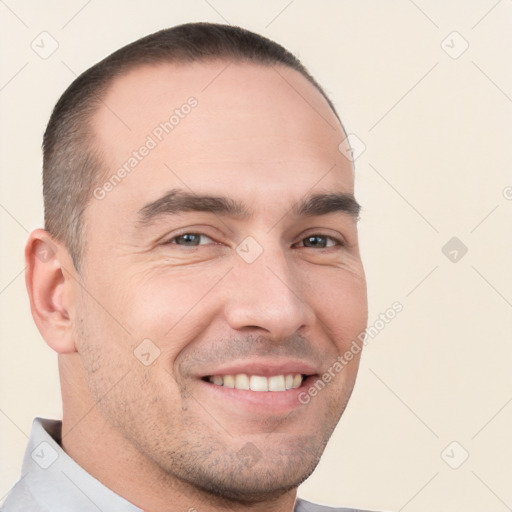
(49, 290)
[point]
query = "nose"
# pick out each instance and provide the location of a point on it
(266, 295)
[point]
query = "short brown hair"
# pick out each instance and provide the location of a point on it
(71, 160)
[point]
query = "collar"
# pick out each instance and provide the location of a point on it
(55, 482)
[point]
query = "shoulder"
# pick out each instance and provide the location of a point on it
(306, 506)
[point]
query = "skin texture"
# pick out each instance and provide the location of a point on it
(158, 435)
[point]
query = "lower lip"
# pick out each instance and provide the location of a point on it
(261, 401)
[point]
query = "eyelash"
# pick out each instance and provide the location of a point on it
(338, 242)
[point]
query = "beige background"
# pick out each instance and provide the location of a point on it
(437, 131)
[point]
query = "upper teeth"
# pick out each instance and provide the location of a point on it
(258, 382)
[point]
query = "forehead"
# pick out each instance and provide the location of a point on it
(217, 126)
(153, 90)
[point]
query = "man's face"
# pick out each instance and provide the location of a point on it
(264, 292)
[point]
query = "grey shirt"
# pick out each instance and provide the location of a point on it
(52, 481)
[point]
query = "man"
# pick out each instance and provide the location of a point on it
(199, 277)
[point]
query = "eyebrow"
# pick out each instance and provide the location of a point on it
(178, 201)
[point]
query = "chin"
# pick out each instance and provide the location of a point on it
(256, 486)
(251, 476)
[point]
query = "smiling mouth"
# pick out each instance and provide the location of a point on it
(274, 383)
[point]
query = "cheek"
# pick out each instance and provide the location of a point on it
(115, 370)
(342, 309)
(172, 305)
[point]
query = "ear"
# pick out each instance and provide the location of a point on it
(49, 289)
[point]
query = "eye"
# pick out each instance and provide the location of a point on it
(320, 241)
(189, 239)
